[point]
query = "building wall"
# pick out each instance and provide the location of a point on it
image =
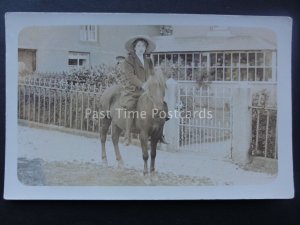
(54, 43)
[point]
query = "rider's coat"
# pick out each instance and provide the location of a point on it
(135, 74)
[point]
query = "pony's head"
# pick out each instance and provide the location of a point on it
(155, 88)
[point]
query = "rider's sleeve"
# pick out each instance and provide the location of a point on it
(129, 74)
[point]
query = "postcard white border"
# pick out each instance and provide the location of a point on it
(281, 188)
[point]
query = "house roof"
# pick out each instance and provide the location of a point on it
(211, 43)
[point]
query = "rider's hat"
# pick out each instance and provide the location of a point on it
(150, 44)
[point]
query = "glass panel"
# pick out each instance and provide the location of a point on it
(251, 74)
(235, 59)
(196, 60)
(235, 74)
(181, 74)
(203, 74)
(259, 74)
(212, 74)
(169, 57)
(175, 59)
(243, 59)
(161, 59)
(213, 59)
(243, 74)
(268, 60)
(219, 74)
(189, 74)
(259, 59)
(220, 59)
(227, 74)
(72, 62)
(182, 60)
(82, 62)
(196, 74)
(268, 75)
(227, 59)
(204, 59)
(83, 55)
(73, 55)
(155, 58)
(189, 60)
(168, 63)
(251, 59)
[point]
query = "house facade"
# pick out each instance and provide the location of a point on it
(222, 53)
(61, 48)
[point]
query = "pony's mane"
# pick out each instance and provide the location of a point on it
(155, 87)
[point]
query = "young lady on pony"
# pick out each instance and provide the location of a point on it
(136, 68)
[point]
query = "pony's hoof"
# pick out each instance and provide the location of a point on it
(154, 176)
(104, 162)
(120, 164)
(147, 180)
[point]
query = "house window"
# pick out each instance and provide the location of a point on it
(78, 60)
(88, 33)
(253, 66)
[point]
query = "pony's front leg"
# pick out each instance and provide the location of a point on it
(153, 155)
(116, 131)
(144, 143)
(105, 123)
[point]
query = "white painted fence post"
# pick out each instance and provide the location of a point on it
(242, 124)
(171, 128)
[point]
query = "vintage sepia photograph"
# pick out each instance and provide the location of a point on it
(138, 105)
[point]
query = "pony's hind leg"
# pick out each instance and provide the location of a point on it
(105, 123)
(144, 145)
(116, 131)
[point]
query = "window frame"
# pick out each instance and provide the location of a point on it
(239, 66)
(89, 33)
(78, 56)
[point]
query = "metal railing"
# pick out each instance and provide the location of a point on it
(264, 134)
(57, 102)
(264, 124)
(206, 116)
(64, 104)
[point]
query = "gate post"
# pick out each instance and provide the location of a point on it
(171, 128)
(242, 125)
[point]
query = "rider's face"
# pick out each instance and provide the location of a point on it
(140, 48)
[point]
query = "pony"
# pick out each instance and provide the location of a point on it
(148, 121)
